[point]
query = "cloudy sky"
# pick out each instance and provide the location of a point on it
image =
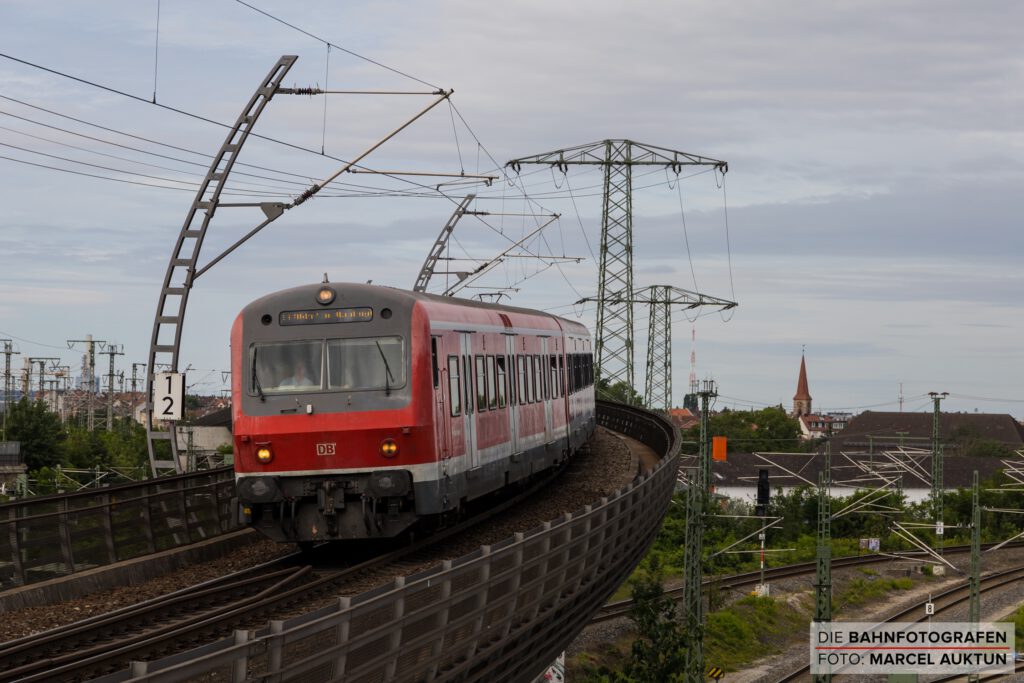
(871, 213)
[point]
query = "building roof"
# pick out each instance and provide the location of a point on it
(741, 469)
(889, 428)
(803, 393)
(683, 417)
(220, 417)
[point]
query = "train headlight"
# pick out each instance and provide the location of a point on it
(325, 295)
(388, 448)
(264, 454)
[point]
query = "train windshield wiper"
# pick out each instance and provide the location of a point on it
(387, 369)
(255, 377)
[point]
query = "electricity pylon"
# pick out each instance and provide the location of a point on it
(614, 345)
(661, 299)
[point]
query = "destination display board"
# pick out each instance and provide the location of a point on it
(323, 316)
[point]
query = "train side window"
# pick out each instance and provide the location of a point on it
(492, 389)
(467, 384)
(531, 387)
(502, 378)
(553, 370)
(561, 371)
(454, 388)
(433, 360)
(543, 389)
(481, 384)
(590, 369)
(538, 386)
(521, 374)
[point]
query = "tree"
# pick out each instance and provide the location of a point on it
(770, 429)
(40, 432)
(620, 392)
(84, 449)
(659, 652)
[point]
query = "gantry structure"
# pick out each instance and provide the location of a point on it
(614, 345)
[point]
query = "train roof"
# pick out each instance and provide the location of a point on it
(419, 296)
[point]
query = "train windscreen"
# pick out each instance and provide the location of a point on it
(365, 364)
(372, 363)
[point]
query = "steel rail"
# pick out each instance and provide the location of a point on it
(155, 626)
(620, 608)
(21, 651)
(988, 583)
(496, 614)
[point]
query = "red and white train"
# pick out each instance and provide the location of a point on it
(361, 410)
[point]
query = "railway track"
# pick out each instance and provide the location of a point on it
(621, 608)
(944, 601)
(195, 615)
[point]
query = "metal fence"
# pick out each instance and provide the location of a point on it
(499, 614)
(51, 536)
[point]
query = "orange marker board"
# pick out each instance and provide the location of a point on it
(718, 448)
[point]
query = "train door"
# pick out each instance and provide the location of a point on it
(513, 397)
(469, 399)
(545, 387)
(442, 421)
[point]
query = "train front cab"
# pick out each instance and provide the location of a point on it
(338, 453)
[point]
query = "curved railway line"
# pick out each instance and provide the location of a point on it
(571, 546)
(197, 614)
(952, 597)
(621, 608)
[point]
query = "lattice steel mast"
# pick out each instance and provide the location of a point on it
(658, 380)
(823, 574)
(661, 299)
(938, 488)
(614, 343)
(696, 504)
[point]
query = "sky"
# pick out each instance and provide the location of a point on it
(870, 217)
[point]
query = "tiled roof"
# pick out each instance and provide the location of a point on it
(916, 429)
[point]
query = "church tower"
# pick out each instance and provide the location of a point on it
(802, 399)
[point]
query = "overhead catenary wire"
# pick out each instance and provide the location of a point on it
(338, 47)
(376, 191)
(156, 50)
(686, 235)
(140, 138)
(205, 119)
(108, 168)
(249, 185)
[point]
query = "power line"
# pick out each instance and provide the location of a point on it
(305, 178)
(93, 175)
(337, 47)
(116, 170)
(199, 117)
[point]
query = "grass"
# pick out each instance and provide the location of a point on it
(872, 586)
(751, 628)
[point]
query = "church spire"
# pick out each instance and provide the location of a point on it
(802, 399)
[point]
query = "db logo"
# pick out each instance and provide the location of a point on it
(325, 448)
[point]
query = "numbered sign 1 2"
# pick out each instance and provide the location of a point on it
(168, 396)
